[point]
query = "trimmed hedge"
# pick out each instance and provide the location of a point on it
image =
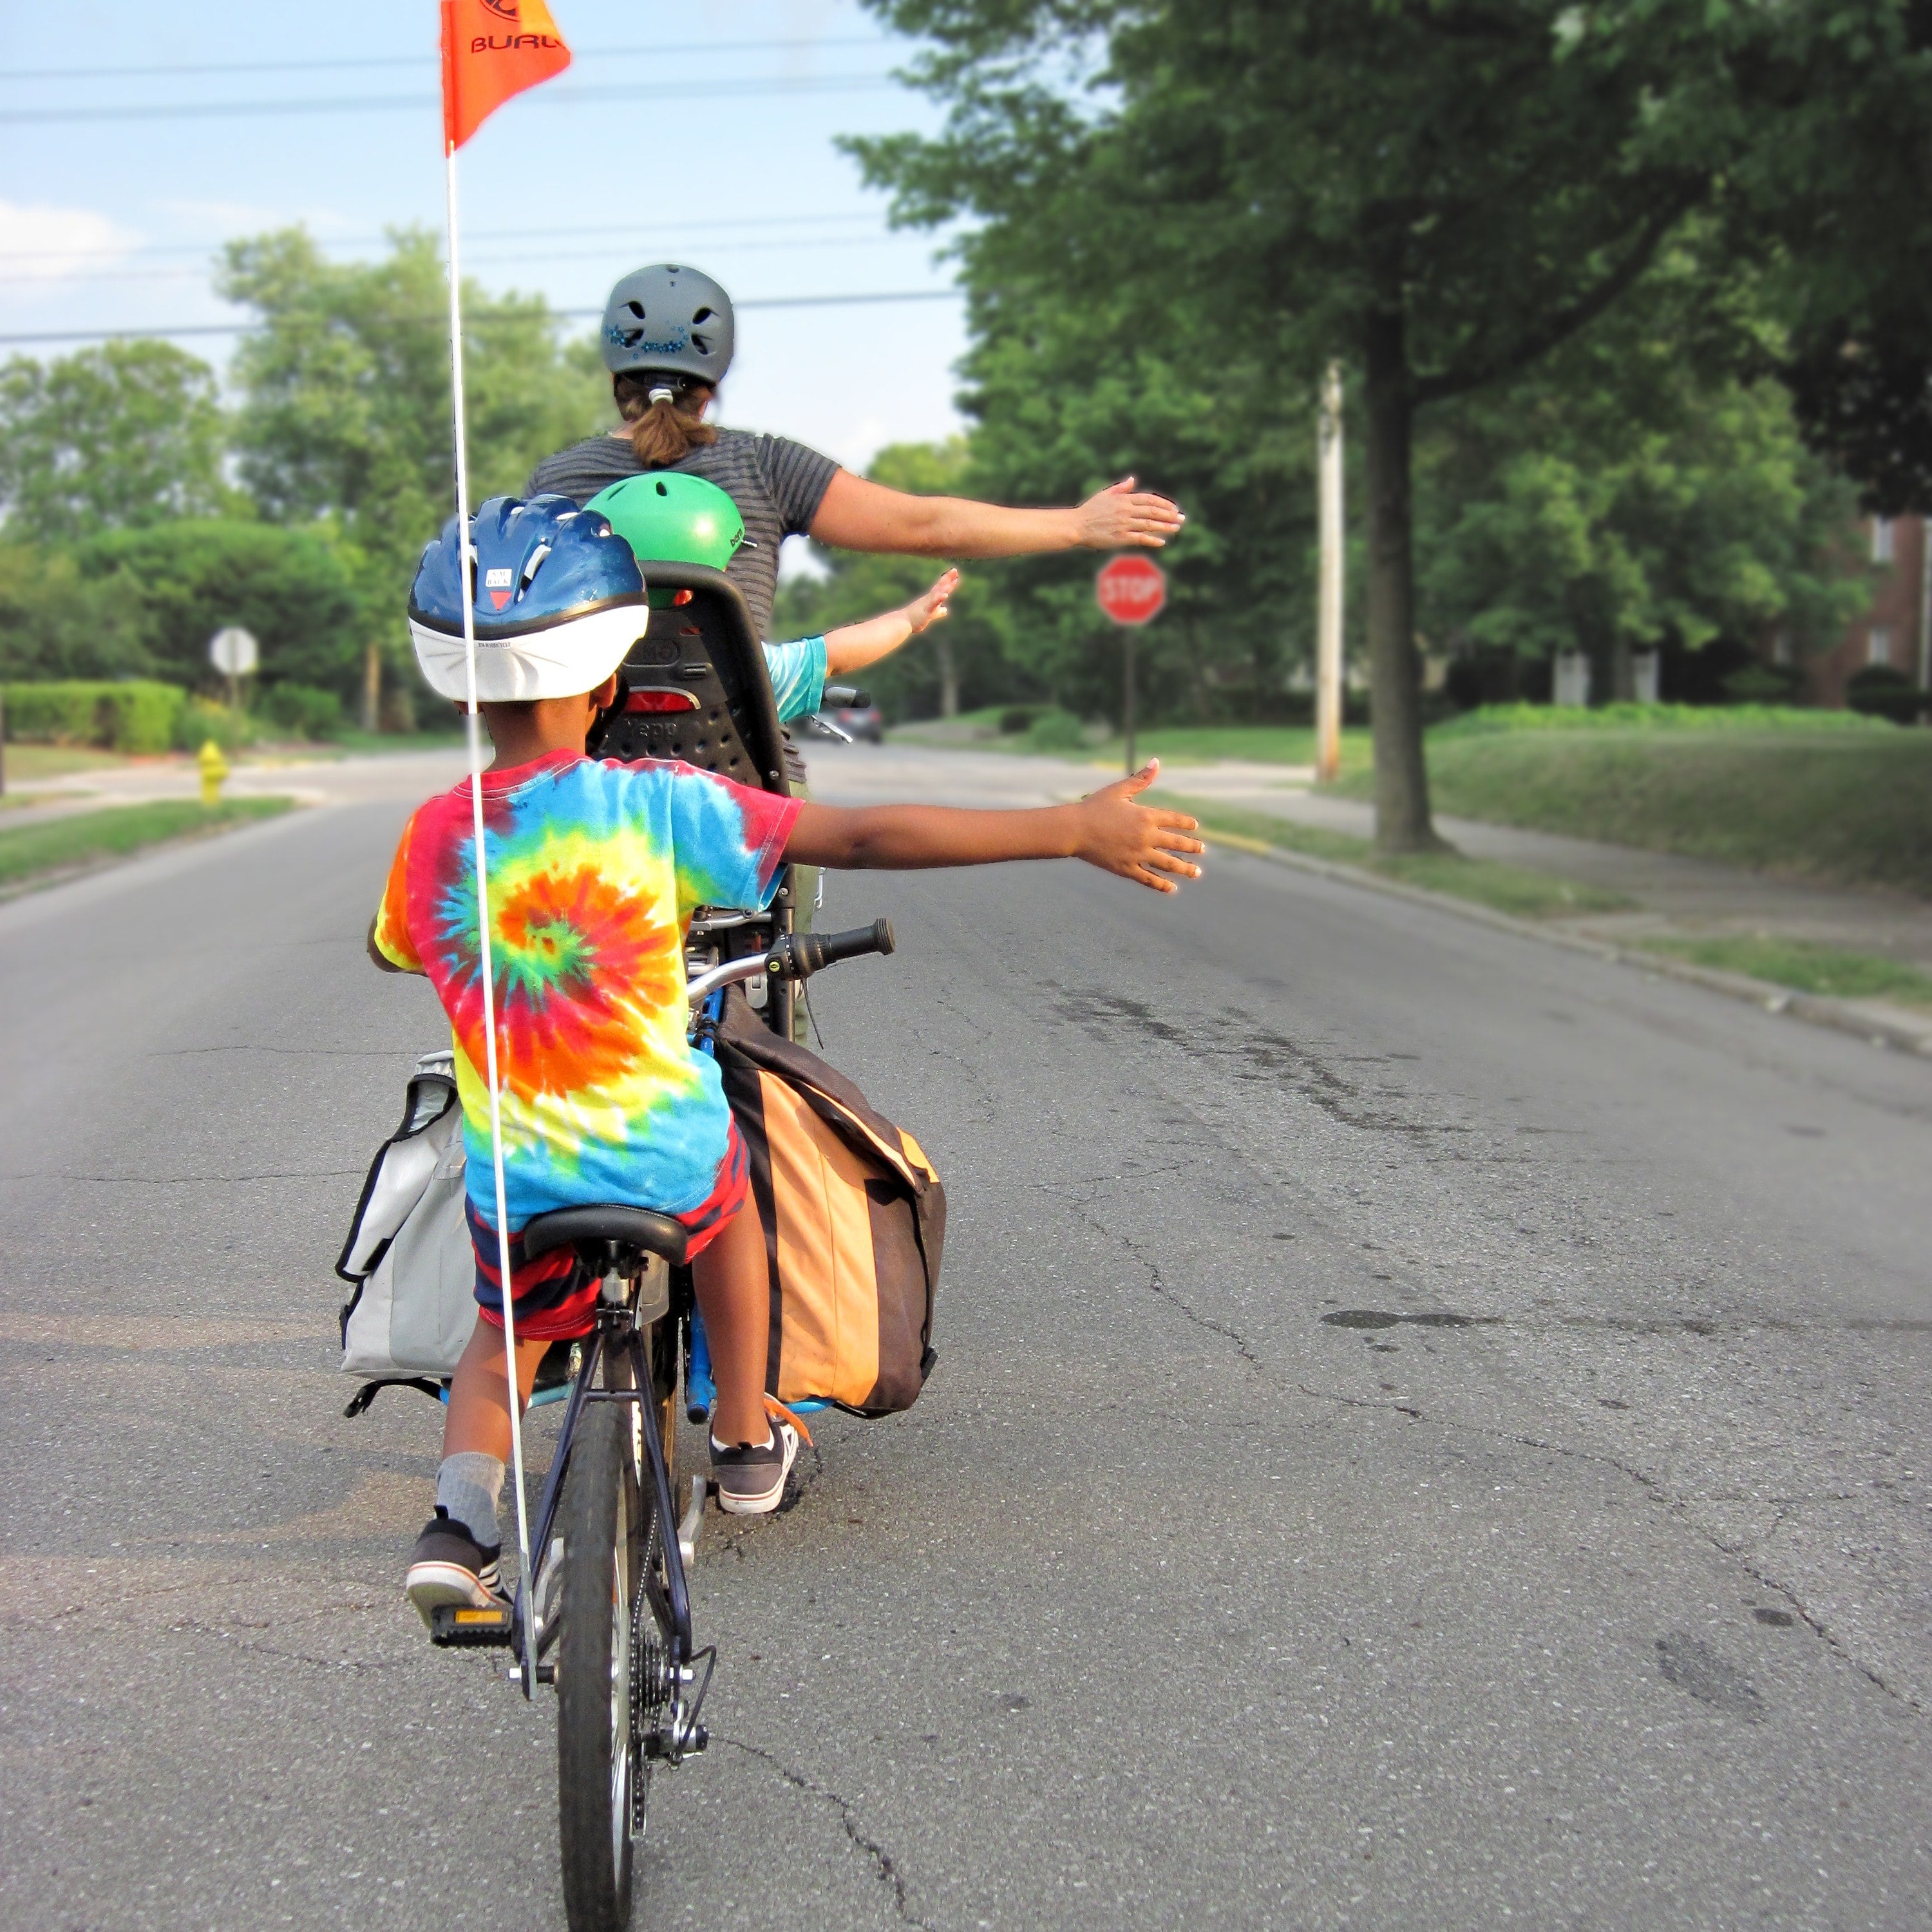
(136, 715)
(1496, 719)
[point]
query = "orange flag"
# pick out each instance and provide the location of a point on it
(491, 50)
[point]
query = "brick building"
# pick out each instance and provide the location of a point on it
(1894, 629)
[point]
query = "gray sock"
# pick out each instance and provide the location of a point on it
(467, 1487)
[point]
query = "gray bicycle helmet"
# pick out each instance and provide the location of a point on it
(668, 320)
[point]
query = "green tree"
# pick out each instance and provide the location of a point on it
(1061, 407)
(1443, 191)
(345, 416)
(1620, 497)
(128, 433)
(184, 581)
(1834, 215)
(58, 621)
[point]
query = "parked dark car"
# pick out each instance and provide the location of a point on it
(865, 722)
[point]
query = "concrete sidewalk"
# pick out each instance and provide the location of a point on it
(310, 780)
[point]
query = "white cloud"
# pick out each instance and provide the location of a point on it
(40, 244)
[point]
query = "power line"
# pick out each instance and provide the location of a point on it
(376, 103)
(441, 319)
(428, 62)
(187, 270)
(693, 227)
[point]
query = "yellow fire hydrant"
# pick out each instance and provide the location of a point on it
(214, 770)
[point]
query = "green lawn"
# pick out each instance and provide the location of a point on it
(1510, 889)
(59, 843)
(1705, 718)
(353, 738)
(30, 762)
(1807, 966)
(1851, 805)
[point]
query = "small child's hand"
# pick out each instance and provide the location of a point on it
(1140, 842)
(929, 607)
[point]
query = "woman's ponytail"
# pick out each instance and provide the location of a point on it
(664, 416)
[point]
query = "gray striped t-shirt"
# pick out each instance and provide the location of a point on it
(778, 486)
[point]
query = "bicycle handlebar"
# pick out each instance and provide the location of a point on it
(795, 955)
(811, 951)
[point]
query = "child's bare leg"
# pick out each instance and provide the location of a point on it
(478, 1418)
(735, 1298)
(454, 1561)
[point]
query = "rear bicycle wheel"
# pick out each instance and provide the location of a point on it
(604, 1519)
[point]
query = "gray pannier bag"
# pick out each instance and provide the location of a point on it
(408, 1255)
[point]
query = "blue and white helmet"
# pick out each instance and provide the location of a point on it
(559, 600)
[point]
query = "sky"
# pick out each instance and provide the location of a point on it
(701, 134)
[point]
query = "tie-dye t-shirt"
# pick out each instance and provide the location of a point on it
(594, 870)
(798, 677)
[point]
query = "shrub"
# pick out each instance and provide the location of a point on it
(1881, 690)
(1017, 718)
(201, 720)
(137, 715)
(1055, 730)
(305, 710)
(1764, 684)
(189, 579)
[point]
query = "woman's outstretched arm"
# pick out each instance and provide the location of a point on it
(856, 514)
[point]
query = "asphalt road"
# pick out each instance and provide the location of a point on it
(1429, 1430)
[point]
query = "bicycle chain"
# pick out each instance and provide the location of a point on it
(650, 1682)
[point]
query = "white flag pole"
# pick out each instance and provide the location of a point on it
(475, 731)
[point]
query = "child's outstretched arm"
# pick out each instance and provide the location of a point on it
(853, 646)
(1106, 829)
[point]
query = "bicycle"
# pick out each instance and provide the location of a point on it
(608, 1616)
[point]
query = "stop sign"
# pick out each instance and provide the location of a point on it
(1131, 589)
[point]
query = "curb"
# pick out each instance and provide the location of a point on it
(1876, 1029)
(29, 884)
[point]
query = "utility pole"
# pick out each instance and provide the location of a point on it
(372, 686)
(1925, 605)
(1328, 608)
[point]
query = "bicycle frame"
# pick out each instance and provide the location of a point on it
(604, 1339)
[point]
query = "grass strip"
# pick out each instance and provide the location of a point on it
(28, 762)
(114, 831)
(1806, 966)
(1250, 744)
(1703, 719)
(353, 738)
(1508, 888)
(1851, 807)
(1173, 744)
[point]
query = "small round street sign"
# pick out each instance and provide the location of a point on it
(232, 651)
(1131, 589)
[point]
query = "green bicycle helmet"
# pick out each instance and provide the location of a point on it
(667, 517)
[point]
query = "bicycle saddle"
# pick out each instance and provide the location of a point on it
(629, 1227)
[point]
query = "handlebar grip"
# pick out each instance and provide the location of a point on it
(813, 951)
(847, 694)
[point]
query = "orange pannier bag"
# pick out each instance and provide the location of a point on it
(854, 1220)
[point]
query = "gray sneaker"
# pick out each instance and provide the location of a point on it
(751, 1481)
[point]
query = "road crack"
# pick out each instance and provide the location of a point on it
(885, 1865)
(1157, 1285)
(1679, 1506)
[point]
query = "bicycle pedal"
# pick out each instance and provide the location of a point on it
(457, 1626)
(702, 1488)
